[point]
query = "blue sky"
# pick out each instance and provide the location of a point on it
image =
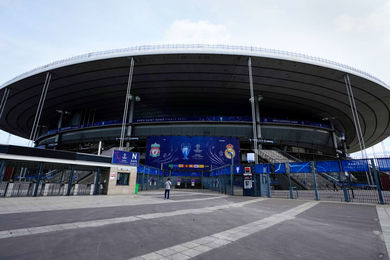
(34, 33)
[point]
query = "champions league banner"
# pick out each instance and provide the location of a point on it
(191, 153)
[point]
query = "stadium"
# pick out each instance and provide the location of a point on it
(301, 103)
(194, 108)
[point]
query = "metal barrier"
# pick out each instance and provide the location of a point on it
(27, 178)
(364, 181)
(150, 178)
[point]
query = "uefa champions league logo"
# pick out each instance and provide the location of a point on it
(185, 149)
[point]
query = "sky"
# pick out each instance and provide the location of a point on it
(34, 33)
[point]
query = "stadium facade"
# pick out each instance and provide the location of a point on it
(264, 99)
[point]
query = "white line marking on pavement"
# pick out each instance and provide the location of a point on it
(145, 200)
(384, 220)
(103, 222)
(208, 243)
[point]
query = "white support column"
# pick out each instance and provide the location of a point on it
(126, 108)
(252, 100)
(130, 120)
(358, 128)
(40, 107)
(258, 121)
(100, 148)
(4, 101)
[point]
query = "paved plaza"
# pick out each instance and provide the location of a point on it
(191, 225)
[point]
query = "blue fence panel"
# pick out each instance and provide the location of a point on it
(300, 167)
(150, 170)
(237, 169)
(140, 169)
(354, 165)
(384, 164)
(280, 168)
(226, 171)
(328, 166)
(262, 168)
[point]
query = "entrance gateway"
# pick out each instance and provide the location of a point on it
(195, 162)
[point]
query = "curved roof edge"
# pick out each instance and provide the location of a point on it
(197, 49)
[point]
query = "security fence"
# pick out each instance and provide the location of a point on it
(149, 178)
(363, 180)
(30, 178)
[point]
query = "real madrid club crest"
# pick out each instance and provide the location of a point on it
(229, 151)
(154, 150)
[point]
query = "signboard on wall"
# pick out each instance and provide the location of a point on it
(354, 165)
(125, 158)
(191, 153)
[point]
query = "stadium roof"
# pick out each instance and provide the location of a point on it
(201, 75)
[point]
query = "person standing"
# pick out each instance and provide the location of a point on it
(167, 185)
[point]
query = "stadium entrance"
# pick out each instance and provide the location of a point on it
(194, 154)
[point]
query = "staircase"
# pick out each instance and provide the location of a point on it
(273, 156)
(303, 179)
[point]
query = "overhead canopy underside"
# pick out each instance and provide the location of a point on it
(197, 82)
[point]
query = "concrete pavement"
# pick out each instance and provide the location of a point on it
(190, 225)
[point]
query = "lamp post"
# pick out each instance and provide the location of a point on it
(231, 174)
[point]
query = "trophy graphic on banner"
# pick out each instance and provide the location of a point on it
(185, 149)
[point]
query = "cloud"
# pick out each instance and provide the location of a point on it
(345, 23)
(186, 31)
(376, 22)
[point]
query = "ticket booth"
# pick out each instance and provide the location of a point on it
(248, 187)
(123, 173)
(122, 180)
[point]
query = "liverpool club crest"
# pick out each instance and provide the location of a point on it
(154, 150)
(229, 151)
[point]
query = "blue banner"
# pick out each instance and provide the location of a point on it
(191, 153)
(125, 158)
(237, 169)
(354, 165)
(328, 166)
(262, 168)
(384, 164)
(280, 168)
(221, 171)
(186, 174)
(300, 167)
(149, 170)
